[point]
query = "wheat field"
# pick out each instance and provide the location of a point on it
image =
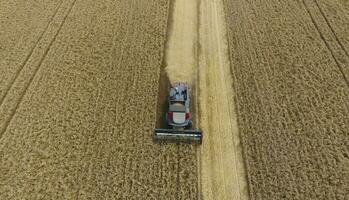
(84, 83)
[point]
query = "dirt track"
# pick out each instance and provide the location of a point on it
(78, 107)
(290, 73)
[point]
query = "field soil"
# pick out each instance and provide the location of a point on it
(289, 63)
(79, 88)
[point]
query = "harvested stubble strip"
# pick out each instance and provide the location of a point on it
(292, 101)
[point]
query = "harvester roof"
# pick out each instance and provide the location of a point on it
(179, 92)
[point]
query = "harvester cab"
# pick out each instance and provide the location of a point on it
(178, 117)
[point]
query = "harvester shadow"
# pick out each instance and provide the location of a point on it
(162, 105)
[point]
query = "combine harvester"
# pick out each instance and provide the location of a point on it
(178, 118)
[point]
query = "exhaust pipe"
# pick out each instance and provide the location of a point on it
(177, 135)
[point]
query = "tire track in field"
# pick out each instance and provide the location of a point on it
(336, 55)
(29, 54)
(330, 26)
(23, 80)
